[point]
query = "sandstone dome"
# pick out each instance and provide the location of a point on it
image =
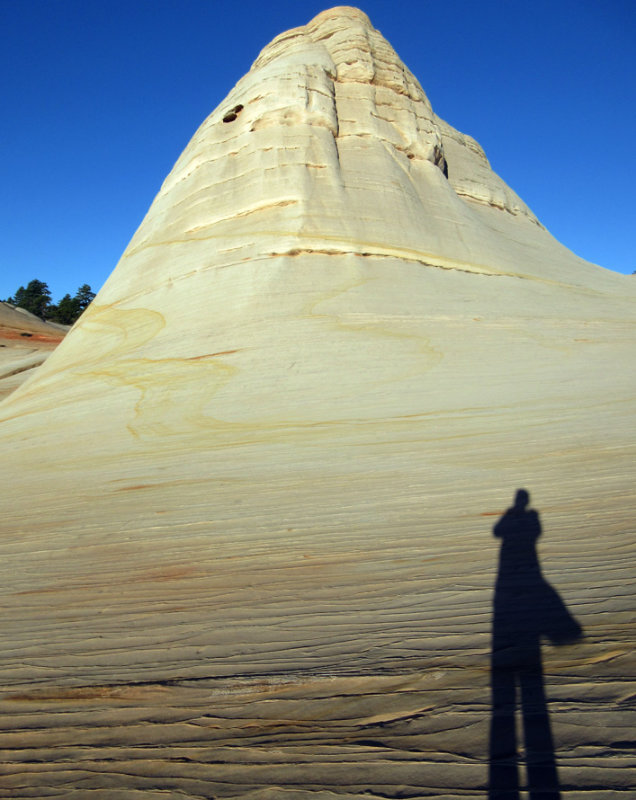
(247, 532)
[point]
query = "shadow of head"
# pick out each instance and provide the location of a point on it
(522, 499)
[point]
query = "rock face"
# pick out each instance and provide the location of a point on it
(247, 537)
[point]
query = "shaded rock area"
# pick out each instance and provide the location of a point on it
(258, 540)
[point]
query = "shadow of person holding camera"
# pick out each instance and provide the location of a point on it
(526, 609)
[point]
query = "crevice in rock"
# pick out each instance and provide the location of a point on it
(233, 114)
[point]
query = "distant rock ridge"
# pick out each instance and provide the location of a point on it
(26, 342)
(18, 321)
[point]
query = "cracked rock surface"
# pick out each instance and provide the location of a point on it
(249, 501)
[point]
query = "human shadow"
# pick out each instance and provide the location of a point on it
(525, 610)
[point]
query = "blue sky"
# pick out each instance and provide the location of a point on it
(100, 97)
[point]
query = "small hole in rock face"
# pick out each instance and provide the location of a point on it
(233, 114)
(28, 335)
(411, 156)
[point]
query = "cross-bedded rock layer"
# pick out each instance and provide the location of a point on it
(247, 543)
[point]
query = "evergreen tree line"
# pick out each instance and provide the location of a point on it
(36, 298)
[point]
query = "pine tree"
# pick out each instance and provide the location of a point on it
(84, 297)
(66, 311)
(36, 298)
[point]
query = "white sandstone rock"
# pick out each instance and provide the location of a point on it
(247, 541)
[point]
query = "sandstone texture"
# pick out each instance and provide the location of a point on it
(247, 527)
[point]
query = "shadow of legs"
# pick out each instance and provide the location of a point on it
(543, 782)
(503, 767)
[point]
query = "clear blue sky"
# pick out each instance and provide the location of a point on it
(100, 97)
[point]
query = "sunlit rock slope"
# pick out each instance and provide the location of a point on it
(247, 541)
